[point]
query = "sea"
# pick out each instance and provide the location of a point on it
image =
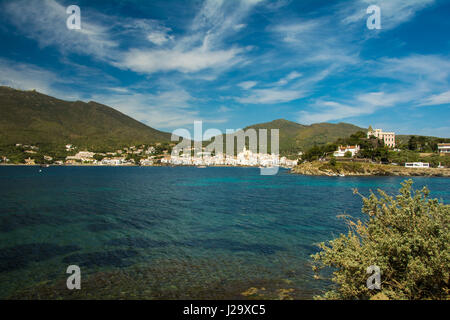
(173, 232)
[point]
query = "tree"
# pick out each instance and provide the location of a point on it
(412, 143)
(333, 161)
(312, 154)
(98, 157)
(406, 236)
(318, 152)
(136, 158)
(348, 154)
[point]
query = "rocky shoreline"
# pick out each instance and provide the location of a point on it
(365, 169)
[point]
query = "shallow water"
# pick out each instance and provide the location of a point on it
(173, 233)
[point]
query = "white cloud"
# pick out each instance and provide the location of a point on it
(362, 104)
(382, 99)
(203, 47)
(271, 96)
(432, 69)
(239, 26)
(119, 90)
(277, 4)
(437, 99)
(150, 61)
(416, 78)
(393, 12)
(221, 17)
(247, 84)
(291, 76)
(153, 109)
(164, 110)
(223, 109)
(45, 22)
(159, 38)
(26, 77)
(330, 110)
(297, 31)
(314, 43)
(317, 43)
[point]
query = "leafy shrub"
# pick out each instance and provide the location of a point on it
(406, 236)
(352, 167)
(333, 161)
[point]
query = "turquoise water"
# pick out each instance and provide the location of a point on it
(144, 232)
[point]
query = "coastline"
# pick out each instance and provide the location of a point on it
(129, 165)
(354, 169)
(315, 168)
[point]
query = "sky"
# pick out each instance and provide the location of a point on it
(234, 63)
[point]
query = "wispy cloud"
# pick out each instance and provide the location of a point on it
(316, 41)
(437, 99)
(393, 12)
(69, 83)
(430, 69)
(25, 76)
(247, 84)
(150, 61)
(271, 96)
(331, 110)
(45, 22)
(169, 109)
(202, 47)
(363, 104)
(273, 93)
(291, 76)
(412, 80)
(160, 37)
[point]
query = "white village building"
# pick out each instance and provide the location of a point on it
(341, 151)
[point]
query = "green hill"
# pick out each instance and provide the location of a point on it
(295, 137)
(29, 117)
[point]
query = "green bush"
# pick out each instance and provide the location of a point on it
(333, 161)
(352, 167)
(406, 236)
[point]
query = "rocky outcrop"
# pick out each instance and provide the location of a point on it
(364, 169)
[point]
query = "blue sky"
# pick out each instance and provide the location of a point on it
(233, 63)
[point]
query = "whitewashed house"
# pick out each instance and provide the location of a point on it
(341, 151)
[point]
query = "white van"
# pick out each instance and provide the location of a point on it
(417, 165)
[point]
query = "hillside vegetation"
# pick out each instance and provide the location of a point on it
(295, 137)
(29, 117)
(417, 148)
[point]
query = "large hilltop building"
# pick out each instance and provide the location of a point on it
(387, 137)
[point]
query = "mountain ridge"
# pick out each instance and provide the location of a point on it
(33, 117)
(296, 137)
